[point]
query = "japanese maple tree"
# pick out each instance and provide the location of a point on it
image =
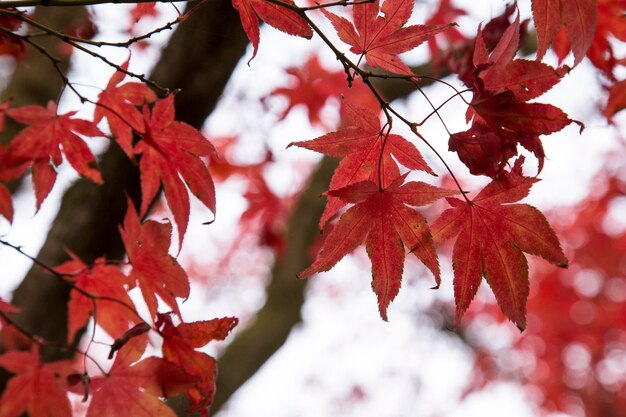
(385, 194)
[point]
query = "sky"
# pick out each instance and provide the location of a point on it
(342, 360)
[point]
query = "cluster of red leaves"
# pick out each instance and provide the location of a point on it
(132, 386)
(370, 193)
(500, 113)
(492, 234)
(170, 154)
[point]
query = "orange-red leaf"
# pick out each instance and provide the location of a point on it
(492, 234)
(134, 390)
(179, 343)
(35, 388)
(157, 272)
(40, 144)
(381, 38)
(385, 221)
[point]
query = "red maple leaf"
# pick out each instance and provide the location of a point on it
(386, 222)
(117, 103)
(363, 144)
(170, 150)
(579, 17)
(279, 17)
(36, 388)
(40, 145)
(312, 86)
(492, 234)
(113, 309)
(157, 272)
(133, 389)
(179, 346)
(381, 38)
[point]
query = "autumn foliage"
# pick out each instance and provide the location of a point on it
(376, 198)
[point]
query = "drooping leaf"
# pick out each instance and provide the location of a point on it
(579, 17)
(40, 144)
(381, 38)
(35, 388)
(172, 150)
(279, 17)
(155, 270)
(179, 343)
(492, 236)
(385, 220)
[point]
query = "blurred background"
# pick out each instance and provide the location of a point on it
(318, 347)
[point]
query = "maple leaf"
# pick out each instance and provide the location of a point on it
(35, 388)
(312, 86)
(157, 272)
(362, 144)
(497, 71)
(117, 103)
(381, 38)
(384, 220)
(113, 309)
(40, 145)
(170, 150)
(279, 17)
(579, 17)
(492, 236)
(179, 343)
(133, 389)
